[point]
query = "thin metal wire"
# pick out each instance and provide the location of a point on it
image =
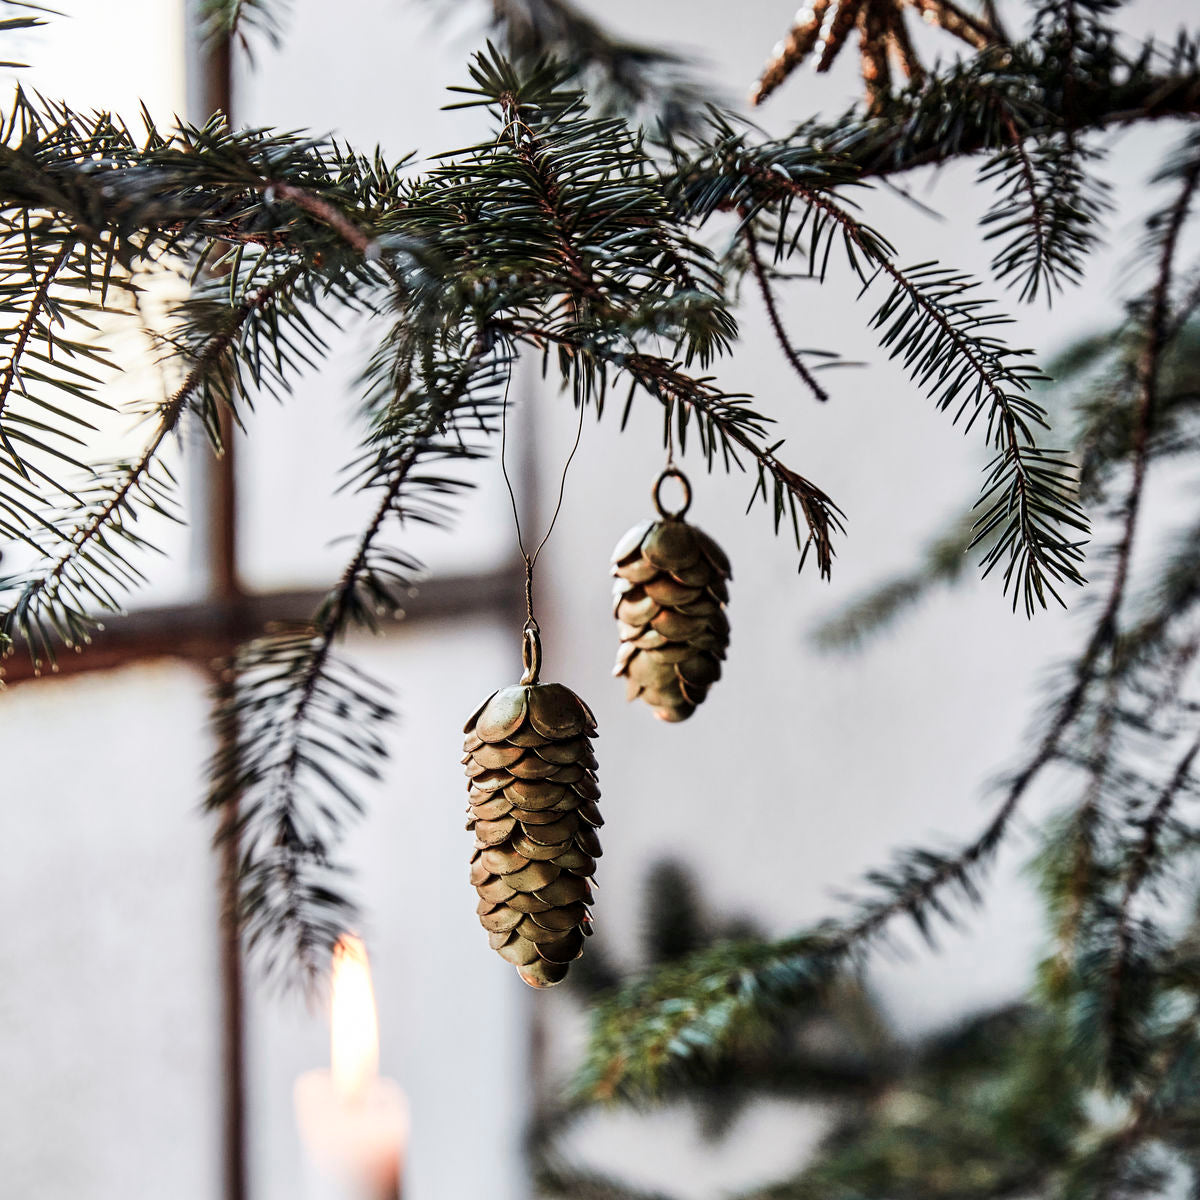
(669, 416)
(531, 560)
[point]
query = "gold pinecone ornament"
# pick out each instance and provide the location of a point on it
(533, 793)
(669, 600)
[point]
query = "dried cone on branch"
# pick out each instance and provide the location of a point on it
(823, 27)
(533, 809)
(669, 600)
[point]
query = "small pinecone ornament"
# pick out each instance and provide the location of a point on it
(533, 809)
(669, 600)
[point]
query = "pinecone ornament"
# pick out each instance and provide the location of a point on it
(533, 796)
(669, 600)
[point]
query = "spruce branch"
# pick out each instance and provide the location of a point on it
(57, 599)
(9, 372)
(300, 719)
(242, 20)
(534, 155)
(834, 1047)
(1103, 638)
(960, 113)
(1108, 660)
(1112, 659)
(275, 742)
(638, 1035)
(564, 234)
(613, 272)
(689, 1012)
(326, 212)
(729, 431)
(1073, 898)
(51, 376)
(644, 83)
(982, 1108)
(1142, 860)
(1106, 419)
(933, 322)
(1047, 211)
(727, 425)
(939, 335)
(1037, 219)
(1106, 364)
(1101, 1167)
(145, 206)
(1169, 604)
(1157, 329)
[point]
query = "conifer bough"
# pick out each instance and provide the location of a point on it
(566, 236)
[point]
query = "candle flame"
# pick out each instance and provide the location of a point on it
(354, 1021)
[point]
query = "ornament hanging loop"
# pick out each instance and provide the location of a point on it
(672, 472)
(531, 651)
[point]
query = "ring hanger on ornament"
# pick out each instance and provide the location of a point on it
(672, 471)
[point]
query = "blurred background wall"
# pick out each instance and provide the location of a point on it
(801, 770)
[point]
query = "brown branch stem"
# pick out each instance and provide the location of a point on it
(1013, 445)
(1139, 870)
(170, 414)
(665, 381)
(1035, 207)
(325, 212)
(25, 329)
(764, 287)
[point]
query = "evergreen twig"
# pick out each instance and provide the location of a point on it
(772, 307)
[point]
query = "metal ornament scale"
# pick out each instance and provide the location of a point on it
(669, 599)
(533, 793)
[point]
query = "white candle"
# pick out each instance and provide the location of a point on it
(352, 1121)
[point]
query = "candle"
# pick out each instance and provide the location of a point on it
(352, 1121)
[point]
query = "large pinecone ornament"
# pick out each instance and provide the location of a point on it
(533, 796)
(669, 600)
